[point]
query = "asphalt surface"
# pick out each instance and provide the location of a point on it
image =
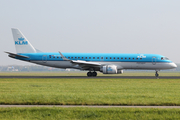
(70, 106)
(98, 77)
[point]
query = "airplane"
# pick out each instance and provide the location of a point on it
(107, 63)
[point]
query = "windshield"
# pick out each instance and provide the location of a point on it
(164, 58)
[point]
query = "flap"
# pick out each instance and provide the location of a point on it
(86, 63)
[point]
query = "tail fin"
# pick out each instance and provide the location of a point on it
(21, 43)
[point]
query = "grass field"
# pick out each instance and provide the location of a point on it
(90, 91)
(83, 73)
(89, 113)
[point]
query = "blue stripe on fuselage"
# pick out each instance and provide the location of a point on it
(103, 57)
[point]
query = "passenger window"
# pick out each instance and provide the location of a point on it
(121, 58)
(71, 57)
(75, 57)
(133, 58)
(101, 57)
(141, 58)
(129, 58)
(57, 57)
(114, 58)
(89, 57)
(86, 57)
(110, 57)
(125, 58)
(137, 58)
(68, 57)
(78, 57)
(97, 57)
(118, 58)
(93, 57)
(49, 56)
(106, 57)
(82, 57)
(53, 57)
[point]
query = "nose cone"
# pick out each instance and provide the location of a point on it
(173, 65)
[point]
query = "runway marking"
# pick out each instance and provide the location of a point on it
(88, 106)
(98, 77)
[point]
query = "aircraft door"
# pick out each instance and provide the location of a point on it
(44, 58)
(153, 60)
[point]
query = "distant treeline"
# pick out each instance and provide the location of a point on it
(28, 68)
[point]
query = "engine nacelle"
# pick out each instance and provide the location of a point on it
(110, 69)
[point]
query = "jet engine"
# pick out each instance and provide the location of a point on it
(110, 69)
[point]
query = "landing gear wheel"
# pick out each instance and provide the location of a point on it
(89, 74)
(157, 75)
(94, 74)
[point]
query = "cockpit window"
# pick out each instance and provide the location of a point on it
(164, 58)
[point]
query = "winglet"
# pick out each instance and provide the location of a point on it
(63, 57)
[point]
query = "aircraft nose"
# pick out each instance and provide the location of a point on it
(173, 65)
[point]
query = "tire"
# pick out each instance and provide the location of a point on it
(94, 74)
(89, 74)
(157, 75)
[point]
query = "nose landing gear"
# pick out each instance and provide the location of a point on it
(156, 74)
(92, 74)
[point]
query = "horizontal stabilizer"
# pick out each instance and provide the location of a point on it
(16, 55)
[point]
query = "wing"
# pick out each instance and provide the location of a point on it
(83, 64)
(80, 62)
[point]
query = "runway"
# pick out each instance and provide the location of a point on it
(88, 106)
(98, 77)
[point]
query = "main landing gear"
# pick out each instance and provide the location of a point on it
(92, 74)
(156, 74)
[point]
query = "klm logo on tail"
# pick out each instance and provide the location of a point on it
(21, 41)
(20, 38)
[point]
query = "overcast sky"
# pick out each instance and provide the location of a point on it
(92, 26)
